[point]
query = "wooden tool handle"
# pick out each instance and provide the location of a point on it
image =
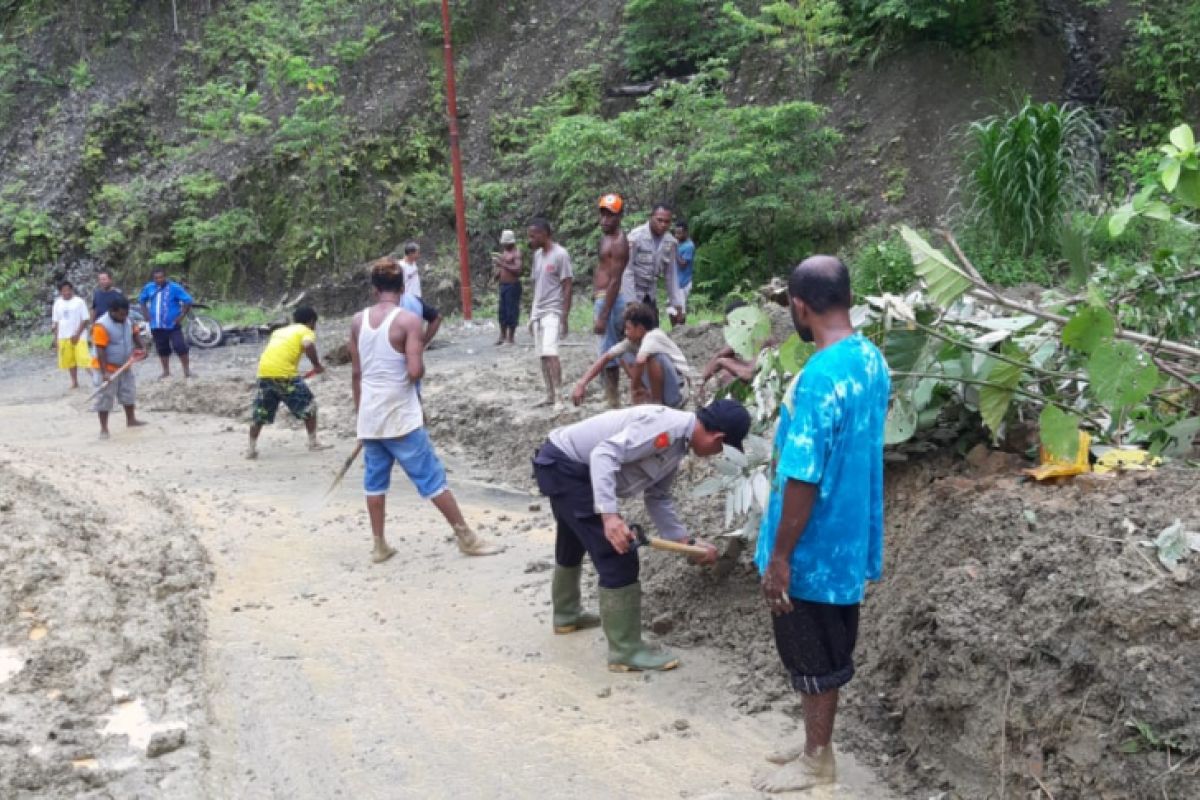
(677, 547)
(112, 377)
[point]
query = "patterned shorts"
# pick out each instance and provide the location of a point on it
(292, 392)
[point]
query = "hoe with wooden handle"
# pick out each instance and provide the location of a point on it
(665, 544)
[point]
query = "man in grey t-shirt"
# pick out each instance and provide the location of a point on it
(552, 282)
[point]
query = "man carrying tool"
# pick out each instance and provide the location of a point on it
(507, 267)
(279, 379)
(165, 305)
(584, 469)
(387, 354)
(658, 369)
(552, 282)
(118, 347)
(606, 284)
(822, 534)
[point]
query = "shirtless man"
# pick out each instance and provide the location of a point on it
(614, 253)
(387, 356)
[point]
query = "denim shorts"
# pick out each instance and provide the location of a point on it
(414, 452)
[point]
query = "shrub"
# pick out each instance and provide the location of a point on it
(676, 37)
(1028, 169)
(881, 264)
(1158, 75)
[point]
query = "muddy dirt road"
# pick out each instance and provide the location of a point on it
(315, 673)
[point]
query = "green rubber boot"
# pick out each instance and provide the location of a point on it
(621, 613)
(569, 615)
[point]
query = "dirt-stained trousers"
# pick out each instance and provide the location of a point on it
(568, 486)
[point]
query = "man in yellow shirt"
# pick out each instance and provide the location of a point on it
(279, 378)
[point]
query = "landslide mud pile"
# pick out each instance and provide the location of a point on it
(1022, 633)
(101, 641)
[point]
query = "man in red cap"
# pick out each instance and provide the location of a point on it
(606, 283)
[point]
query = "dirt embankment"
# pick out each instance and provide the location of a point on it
(101, 637)
(1020, 634)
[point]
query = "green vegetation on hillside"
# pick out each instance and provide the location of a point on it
(254, 158)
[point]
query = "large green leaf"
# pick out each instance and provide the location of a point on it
(944, 282)
(794, 354)
(1120, 374)
(1088, 328)
(901, 421)
(905, 350)
(1187, 191)
(747, 331)
(1183, 138)
(1059, 433)
(995, 398)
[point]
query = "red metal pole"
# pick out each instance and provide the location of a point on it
(460, 211)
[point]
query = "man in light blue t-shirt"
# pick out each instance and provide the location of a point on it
(685, 254)
(822, 535)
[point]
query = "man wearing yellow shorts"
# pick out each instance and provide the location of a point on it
(279, 379)
(69, 320)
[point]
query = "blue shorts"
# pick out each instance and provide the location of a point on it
(414, 452)
(615, 331)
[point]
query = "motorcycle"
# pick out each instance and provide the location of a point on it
(201, 330)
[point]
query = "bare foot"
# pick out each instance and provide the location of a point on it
(314, 445)
(806, 772)
(499, 341)
(471, 543)
(251, 453)
(545, 401)
(136, 423)
(103, 434)
(786, 754)
(382, 552)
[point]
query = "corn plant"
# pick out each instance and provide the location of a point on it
(1028, 169)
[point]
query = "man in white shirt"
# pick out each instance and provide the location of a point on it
(553, 278)
(69, 320)
(412, 275)
(658, 370)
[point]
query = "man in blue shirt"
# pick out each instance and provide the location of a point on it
(822, 535)
(165, 304)
(685, 254)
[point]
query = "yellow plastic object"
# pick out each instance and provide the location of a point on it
(1128, 460)
(1061, 468)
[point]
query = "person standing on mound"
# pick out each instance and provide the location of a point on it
(822, 534)
(387, 358)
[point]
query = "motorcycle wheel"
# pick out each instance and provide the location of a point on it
(204, 332)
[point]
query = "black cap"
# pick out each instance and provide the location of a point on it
(728, 417)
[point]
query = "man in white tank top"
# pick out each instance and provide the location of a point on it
(387, 354)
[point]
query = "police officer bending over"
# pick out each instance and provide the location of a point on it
(583, 469)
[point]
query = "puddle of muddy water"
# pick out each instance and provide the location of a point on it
(10, 663)
(130, 718)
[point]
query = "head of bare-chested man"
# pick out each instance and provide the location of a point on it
(612, 208)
